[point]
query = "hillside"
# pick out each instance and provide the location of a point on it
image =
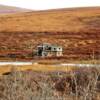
(77, 30)
(71, 20)
(10, 10)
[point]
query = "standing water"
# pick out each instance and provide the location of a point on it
(15, 63)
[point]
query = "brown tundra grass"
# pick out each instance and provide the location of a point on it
(82, 84)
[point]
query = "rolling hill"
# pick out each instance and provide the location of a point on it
(77, 30)
(10, 10)
(63, 20)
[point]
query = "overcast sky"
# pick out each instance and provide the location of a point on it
(50, 4)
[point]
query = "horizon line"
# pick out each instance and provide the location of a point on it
(74, 7)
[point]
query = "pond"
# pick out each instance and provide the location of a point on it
(18, 63)
(78, 65)
(15, 63)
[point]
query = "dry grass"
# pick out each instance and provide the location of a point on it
(82, 84)
(70, 20)
(38, 67)
(77, 30)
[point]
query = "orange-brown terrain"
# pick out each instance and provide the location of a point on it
(77, 30)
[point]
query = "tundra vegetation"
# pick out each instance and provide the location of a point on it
(80, 84)
(76, 30)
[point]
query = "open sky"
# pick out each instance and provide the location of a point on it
(50, 4)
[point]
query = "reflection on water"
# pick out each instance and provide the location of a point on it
(62, 64)
(79, 65)
(15, 63)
